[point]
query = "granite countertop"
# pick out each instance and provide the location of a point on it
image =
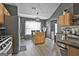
(73, 36)
(70, 43)
(72, 40)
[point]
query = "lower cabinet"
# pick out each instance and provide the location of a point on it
(73, 51)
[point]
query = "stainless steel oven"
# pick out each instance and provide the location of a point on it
(62, 48)
(61, 45)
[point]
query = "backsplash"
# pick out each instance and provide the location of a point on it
(70, 30)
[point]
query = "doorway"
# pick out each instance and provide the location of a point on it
(53, 29)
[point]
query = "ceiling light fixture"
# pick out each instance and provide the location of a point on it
(37, 13)
(37, 18)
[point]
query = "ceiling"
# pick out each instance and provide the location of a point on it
(30, 9)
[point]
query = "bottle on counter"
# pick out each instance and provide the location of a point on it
(73, 31)
(65, 11)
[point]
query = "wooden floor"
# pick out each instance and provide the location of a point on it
(47, 49)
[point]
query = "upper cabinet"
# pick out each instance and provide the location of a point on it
(68, 19)
(6, 13)
(1, 9)
(13, 10)
(65, 20)
(3, 12)
(61, 20)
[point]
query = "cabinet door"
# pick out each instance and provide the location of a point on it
(37, 38)
(1, 9)
(68, 19)
(73, 51)
(6, 12)
(61, 20)
(42, 38)
(1, 14)
(1, 19)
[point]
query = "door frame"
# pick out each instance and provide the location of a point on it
(54, 21)
(19, 31)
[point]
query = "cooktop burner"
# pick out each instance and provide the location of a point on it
(2, 38)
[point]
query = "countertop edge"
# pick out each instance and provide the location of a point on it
(68, 44)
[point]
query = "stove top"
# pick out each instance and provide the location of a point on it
(2, 38)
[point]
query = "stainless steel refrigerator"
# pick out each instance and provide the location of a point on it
(11, 23)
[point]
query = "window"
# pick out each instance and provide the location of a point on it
(31, 25)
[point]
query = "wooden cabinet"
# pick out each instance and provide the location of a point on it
(3, 12)
(61, 20)
(65, 20)
(6, 13)
(73, 51)
(1, 15)
(39, 37)
(68, 19)
(1, 9)
(1, 20)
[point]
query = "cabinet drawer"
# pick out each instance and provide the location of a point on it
(73, 51)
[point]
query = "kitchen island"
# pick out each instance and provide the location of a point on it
(39, 38)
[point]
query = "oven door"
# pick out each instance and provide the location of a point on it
(62, 48)
(61, 45)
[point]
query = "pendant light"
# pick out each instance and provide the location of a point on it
(37, 18)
